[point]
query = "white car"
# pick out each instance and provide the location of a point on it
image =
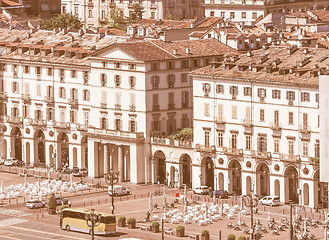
(270, 200)
(35, 204)
(201, 190)
(118, 190)
(11, 161)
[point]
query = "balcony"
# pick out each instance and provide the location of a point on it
(155, 107)
(305, 129)
(261, 155)
(220, 120)
(73, 102)
(11, 119)
(63, 125)
(171, 142)
(49, 99)
(171, 106)
(132, 108)
(153, 6)
(204, 148)
(38, 122)
(117, 107)
(3, 96)
(117, 134)
(289, 158)
(276, 126)
(247, 123)
(233, 151)
(26, 98)
(103, 105)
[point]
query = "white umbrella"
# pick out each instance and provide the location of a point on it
(150, 203)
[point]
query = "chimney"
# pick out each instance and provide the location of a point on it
(175, 51)
(188, 51)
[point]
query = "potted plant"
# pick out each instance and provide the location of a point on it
(155, 227)
(60, 209)
(121, 221)
(242, 237)
(232, 237)
(180, 231)
(205, 235)
(52, 204)
(131, 222)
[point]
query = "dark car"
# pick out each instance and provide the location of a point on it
(80, 172)
(61, 201)
(219, 193)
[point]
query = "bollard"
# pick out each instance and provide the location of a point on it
(84, 203)
(37, 216)
(134, 196)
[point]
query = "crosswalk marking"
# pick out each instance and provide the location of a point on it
(13, 213)
(11, 221)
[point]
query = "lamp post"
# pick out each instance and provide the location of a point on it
(291, 226)
(93, 220)
(251, 202)
(112, 178)
(326, 226)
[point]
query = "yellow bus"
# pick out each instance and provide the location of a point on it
(73, 219)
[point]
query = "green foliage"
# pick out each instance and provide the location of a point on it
(242, 237)
(170, 17)
(155, 224)
(204, 232)
(131, 220)
(52, 204)
(66, 20)
(186, 134)
(315, 159)
(118, 20)
(121, 218)
(136, 13)
(231, 237)
(156, 134)
(180, 228)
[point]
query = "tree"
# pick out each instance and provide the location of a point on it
(186, 134)
(52, 204)
(118, 20)
(136, 15)
(66, 20)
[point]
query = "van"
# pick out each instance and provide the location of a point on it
(118, 190)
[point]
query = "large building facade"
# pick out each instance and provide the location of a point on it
(95, 13)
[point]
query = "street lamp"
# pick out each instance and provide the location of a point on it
(93, 220)
(112, 178)
(251, 202)
(326, 226)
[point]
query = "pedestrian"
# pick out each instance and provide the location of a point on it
(69, 203)
(148, 216)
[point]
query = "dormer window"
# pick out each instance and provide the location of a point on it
(206, 89)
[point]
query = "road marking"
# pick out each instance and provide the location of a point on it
(25, 234)
(7, 237)
(11, 221)
(53, 234)
(14, 213)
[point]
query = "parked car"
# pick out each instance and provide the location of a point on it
(61, 201)
(219, 193)
(270, 200)
(80, 172)
(118, 190)
(11, 161)
(201, 190)
(35, 204)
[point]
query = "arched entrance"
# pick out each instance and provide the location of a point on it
(318, 189)
(75, 157)
(220, 181)
(39, 149)
(63, 150)
(306, 198)
(172, 176)
(51, 159)
(160, 160)
(234, 173)
(291, 184)
(185, 169)
(84, 152)
(28, 152)
(262, 179)
(16, 143)
(277, 188)
(207, 172)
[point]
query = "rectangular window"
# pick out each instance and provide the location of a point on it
(103, 80)
(90, 13)
(276, 145)
(154, 66)
(185, 99)
(305, 121)
(234, 91)
(15, 87)
(26, 69)
(262, 115)
(276, 118)
(305, 96)
(38, 70)
(38, 90)
(220, 88)
(103, 123)
(61, 92)
(262, 144)
(254, 15)
(291, 118)
(73, 116)
(132, 126)
(234, 112)
(74, 93)
(247, 91)
(206, 110)
(317, 97)
(73, 73)
(317, 149)
(220, 113)
(117, 124)
(291, 144)
(248, 142)
(50, 91)
(86, 95)
(305, 148)
(183, 77)
(184, 64)
(171, 80)
(276, 94)
(132, 82)
(290, 95)
(244, 15)
(220, 139)
(117, 80)
(261, 92)
(232, 15)
(86, 117)
(207, 138)
(170, 65)
(50, 71)
(234, 138)
(155, 81)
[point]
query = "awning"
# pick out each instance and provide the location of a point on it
(44, 7)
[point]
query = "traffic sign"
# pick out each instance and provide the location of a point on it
(167, 173)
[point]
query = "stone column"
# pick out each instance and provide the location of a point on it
(111, 150)
(92, 158)
(125, 166)
(120, 162)
(152, 169)
(106, 159)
